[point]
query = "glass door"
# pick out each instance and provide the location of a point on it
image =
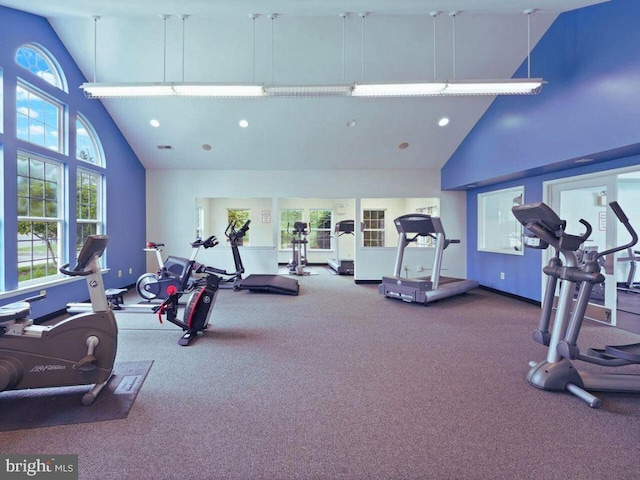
(588, 199)
(627, 266)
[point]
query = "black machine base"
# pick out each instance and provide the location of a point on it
(269, 283)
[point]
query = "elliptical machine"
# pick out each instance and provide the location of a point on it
(299, 249)
(80, 350)
(234, 237)
(173, 275)
(556, 372)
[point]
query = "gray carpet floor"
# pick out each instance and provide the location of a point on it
(341, 383)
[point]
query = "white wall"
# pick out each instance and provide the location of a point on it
(171, 200)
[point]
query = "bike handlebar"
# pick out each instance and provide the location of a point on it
(210, 242)
(74, 273)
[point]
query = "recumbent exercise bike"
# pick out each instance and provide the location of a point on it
(79, 350)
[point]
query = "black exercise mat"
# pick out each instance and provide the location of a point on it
(46, 407)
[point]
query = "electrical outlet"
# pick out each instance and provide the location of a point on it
(130, 270)
(43, 293)
(119, 273)
(419, 268)
(501, 275)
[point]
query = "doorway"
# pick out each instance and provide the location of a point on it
(617, 300)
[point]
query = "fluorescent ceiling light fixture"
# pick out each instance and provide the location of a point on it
(308, 90)
(170, 89)
(217, 90)
(523, 86)
(528, 86)
(398, 89)
(515, 86)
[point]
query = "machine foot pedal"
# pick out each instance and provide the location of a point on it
(600, 353)
(629, 352)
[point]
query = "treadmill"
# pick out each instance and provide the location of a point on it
(422, 290)
(339, 265)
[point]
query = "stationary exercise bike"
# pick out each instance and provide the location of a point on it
(198, 310)
(299, 249)
(556, 372)
(79, 350)
(173, 275)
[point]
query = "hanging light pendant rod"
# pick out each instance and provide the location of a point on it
(184, 19)
(528, 13)
(433, 15)
(95, 45)
(454, 87)
(453, 40)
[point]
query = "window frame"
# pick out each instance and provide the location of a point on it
(59, 219)
(284, 230)
(367, 230)
(59, 107)
(239, 216)
(495, 216)
(314, 231)
(92, 138)
(98, 221)
(54, 69)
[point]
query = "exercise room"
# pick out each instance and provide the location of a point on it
(320, 240)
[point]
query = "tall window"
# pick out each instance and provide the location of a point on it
(39, 62)
(287, 218)
(87, 146)
(40, 217)
(88, 206)
(39, 118)
(373, 233)
(320, 229)
(239, 217)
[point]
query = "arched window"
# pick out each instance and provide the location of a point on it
(41, 63)
(87, 143)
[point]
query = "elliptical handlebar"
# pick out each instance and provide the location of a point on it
(231, 231)
(622, 217)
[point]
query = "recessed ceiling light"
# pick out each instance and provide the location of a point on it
(243, 123)
(206, 147)
(154, 123)
(351, 123)
(403, 145)
(443, 121)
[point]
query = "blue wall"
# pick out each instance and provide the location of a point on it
(124, 174)
(589, 109)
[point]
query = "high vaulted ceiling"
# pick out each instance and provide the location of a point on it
(305, 42)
